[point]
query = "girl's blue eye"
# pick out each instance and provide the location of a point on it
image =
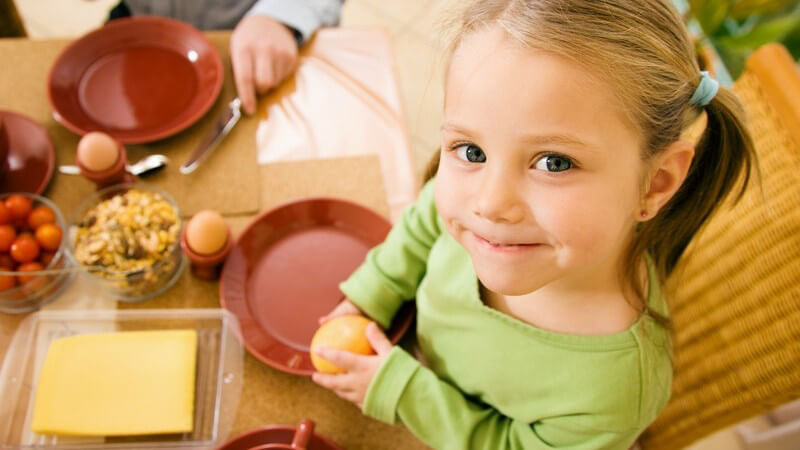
(553, 163)
(470, 153)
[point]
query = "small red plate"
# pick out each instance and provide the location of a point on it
(284, 271)
(138, 79)
(31, 156)
(276, 434)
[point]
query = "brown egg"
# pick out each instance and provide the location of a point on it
(97, 151)
(206, 232)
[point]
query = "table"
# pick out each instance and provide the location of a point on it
(268, 396)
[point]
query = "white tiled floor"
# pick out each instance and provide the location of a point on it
(413, 25)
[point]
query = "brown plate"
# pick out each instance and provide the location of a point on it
(31, 157)
(138, 79)
(276, 434)
(284, 271)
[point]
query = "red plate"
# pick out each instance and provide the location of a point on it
(276, 434)
(284, 271)
(139, 79)
(31, 157)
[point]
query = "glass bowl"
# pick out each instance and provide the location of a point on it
(45, 285)
(130, 232)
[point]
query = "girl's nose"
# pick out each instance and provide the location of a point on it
(498, 201)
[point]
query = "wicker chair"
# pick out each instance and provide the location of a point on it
(735, 295)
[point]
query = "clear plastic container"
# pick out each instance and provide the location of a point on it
(134, 285)
(218, 378)
(45, 285)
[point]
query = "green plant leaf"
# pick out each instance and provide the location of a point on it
(710, 13)
(792, 43)
(742, 9)
(732, 59)
(774, 30)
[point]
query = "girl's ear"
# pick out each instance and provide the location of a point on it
(667, 172)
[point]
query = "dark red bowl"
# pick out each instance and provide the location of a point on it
(30, 158)
(276, 434)
(138, 79)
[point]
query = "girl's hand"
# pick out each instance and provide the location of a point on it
(345, 308)
(352, 385)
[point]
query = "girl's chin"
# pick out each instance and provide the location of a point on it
(504, 285)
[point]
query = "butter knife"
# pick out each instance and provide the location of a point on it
(220, 129)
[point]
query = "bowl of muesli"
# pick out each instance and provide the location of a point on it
(127, 237)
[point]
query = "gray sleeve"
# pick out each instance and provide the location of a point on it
(305, 16)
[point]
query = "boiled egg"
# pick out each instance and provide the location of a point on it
(97, 151)
(206, 232)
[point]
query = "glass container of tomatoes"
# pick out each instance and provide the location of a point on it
(34, 268)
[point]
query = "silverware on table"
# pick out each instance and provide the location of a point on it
(220, 129)
(145, 166)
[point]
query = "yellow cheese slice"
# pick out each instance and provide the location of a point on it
(115, 384)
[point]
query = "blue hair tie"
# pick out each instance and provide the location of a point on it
(706, 90)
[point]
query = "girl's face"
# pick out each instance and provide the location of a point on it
(540, 176)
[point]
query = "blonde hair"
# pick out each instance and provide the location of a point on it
(642, 49)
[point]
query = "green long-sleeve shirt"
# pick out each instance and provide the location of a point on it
(492, 381)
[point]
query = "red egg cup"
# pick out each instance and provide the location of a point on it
(207, 267)
(115, 174)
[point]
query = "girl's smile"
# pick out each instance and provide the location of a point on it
(503, 246)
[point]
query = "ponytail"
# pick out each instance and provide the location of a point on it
(724, 157)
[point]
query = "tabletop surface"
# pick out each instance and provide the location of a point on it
(268, 396)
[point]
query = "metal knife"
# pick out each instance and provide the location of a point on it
(220, 129)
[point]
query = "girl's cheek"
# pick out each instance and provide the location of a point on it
(447, 195)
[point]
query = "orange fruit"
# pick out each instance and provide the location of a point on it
(346, 333)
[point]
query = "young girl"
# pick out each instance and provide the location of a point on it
(564, 196)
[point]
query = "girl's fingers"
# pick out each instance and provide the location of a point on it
(344, 360)
(343, 309)
(336, 383)
(377, 339)
(339, 384)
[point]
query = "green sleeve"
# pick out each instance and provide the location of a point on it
(441, 416)
(393, 270)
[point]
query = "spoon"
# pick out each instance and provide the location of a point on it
(145, 166)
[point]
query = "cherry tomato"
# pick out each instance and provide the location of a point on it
(49, 236)
(19, 206)
(5, 214)
(7, 236)
(7, 282)
(6, 263)
(24, 249)
(29, 267)
(40, 216)
(46, 257)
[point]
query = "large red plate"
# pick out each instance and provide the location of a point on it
(31, 156)
(138, 79)
(284, 270)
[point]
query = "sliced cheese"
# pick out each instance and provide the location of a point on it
(116, 384)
